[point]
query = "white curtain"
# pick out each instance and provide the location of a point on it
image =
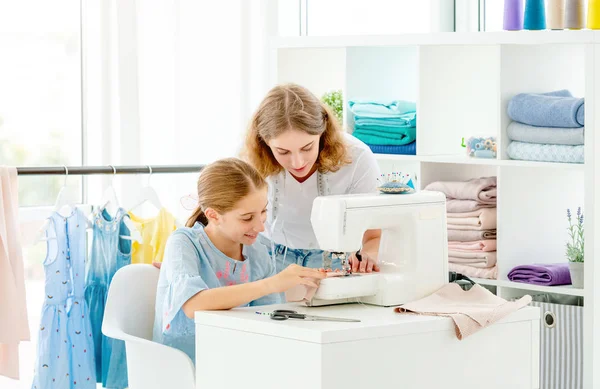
(171, 82)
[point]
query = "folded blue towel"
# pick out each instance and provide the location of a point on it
(409, 149)
(380, 109)
(545, 153)
(554, 109)
(545, 135)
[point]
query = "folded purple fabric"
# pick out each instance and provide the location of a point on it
(542, 274)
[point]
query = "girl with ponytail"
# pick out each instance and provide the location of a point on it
(216, 262)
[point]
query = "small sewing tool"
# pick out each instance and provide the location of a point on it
(282, 314)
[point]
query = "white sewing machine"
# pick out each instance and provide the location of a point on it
(412, 254)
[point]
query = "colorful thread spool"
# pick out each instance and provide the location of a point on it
(535, 15)
(593, 20)
(513, 15)
(574, 14)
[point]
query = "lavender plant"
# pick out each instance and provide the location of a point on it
(575, 247)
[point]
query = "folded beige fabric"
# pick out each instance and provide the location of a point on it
(482, 190)
(482, 219)
(454, 205)
(478, 245)
(473, 258)
(470, 235)
(470, 310)
(490, 273)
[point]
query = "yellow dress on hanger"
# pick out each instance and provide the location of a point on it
(155, 232)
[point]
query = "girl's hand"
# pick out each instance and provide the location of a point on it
(294, 275)
(368, 263)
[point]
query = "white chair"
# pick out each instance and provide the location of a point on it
(129, 316)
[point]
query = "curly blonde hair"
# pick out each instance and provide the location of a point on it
(292, 106)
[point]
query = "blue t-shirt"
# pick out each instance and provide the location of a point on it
(191, 264)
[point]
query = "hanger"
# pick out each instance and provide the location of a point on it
(62, 206)
(147, 194)
(109, 197)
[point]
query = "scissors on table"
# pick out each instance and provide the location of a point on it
(282, 314)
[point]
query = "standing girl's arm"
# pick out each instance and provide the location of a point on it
(365, 181)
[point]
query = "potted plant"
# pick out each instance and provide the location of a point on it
(575, 248)
(335, 101)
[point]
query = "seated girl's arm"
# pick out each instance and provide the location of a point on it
(227, 297)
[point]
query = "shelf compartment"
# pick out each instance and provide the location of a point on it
(538, 69)
(563, 289)
(459, 96)
(532, 220)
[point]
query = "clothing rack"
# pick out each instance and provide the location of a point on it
(110, 169)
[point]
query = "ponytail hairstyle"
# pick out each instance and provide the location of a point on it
(293, 107)
(221, 185)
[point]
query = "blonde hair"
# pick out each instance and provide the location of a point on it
(222, 184)
(291, 106)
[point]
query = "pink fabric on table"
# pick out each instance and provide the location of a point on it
(478, 245)
(471, 310)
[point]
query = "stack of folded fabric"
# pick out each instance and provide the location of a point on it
(386, 127)
(471, 219)
(546, 127)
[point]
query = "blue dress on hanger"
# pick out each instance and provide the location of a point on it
(58, 364)
(83, 368)
(109, 253)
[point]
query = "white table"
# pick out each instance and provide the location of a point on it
(240, 349)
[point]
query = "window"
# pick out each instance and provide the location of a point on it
(360, 17)
(40, 124)
(40, 98)
(373, 17)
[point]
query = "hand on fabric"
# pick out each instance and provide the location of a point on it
(156, 264)
(368, 263)
(294, 275)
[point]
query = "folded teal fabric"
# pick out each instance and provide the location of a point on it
(386, 131)
(405, 120)
(401, 136)
(380, 109)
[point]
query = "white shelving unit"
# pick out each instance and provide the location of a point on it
(462, 83)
